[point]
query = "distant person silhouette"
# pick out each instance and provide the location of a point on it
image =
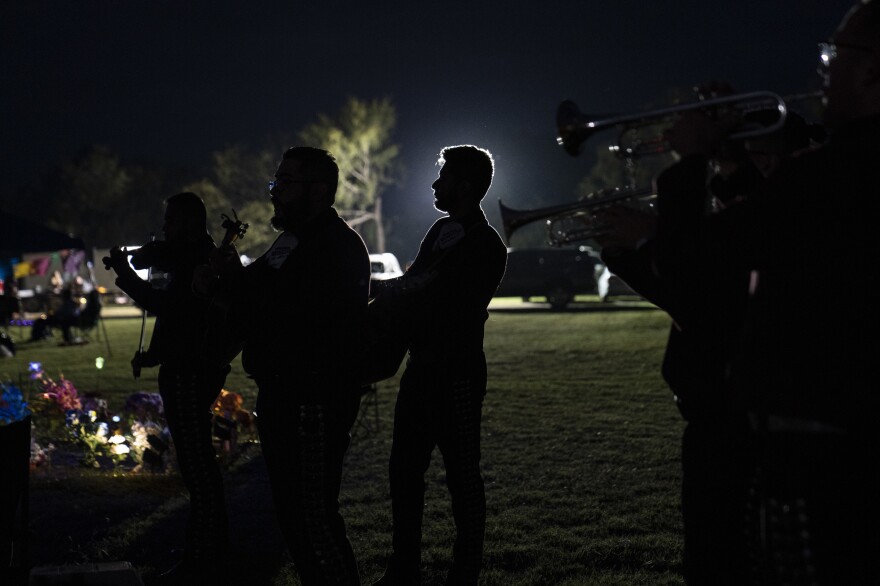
(443, 298)
(65, 316)
(192, 371)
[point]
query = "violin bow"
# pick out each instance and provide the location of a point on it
(136, 368)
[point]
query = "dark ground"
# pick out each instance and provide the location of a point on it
(141, 519)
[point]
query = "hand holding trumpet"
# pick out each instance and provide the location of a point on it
(696, 132)
(624, 227)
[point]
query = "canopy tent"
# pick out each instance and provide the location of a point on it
(19, 235)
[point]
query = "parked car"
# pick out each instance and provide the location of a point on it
(384, 266)
(558, 274)
(610, 285)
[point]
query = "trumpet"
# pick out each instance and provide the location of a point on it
(575, 127)
(571, 222)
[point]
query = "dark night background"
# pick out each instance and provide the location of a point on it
(170, 82)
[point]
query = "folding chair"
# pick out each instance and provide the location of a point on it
(90, 320)
(89, 316)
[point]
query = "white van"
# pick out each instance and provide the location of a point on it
(384, 266)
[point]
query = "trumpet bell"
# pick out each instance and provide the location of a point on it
(573, 128)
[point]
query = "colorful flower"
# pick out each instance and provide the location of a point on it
(13, 407)
(63, 393)
(229, 406)
(144, 406)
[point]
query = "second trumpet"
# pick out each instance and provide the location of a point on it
(571, 222)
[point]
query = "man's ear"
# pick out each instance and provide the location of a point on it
(318, 191)
(464, 187)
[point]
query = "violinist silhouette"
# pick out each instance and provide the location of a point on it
(192, 371)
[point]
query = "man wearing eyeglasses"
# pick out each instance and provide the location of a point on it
(804, 374)
(301, 310)
(707, 307)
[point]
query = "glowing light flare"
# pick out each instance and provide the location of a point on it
(99, 362)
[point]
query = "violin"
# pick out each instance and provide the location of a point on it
(235, 230)
(205, 277)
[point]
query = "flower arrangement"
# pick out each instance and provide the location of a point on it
(229, 415)
(63, 393)
(136, 437)
(94, 402)
(103, 437)
(150, 443)
(13, 407)
(231, 406)
(144, 407)
(150, 438)
(93, 435)
(39, 455)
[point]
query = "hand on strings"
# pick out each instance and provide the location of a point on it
(225, 261)
(116, 260)
(223, 264)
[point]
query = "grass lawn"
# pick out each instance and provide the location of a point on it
(580, 452)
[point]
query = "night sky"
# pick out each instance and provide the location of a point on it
(169, 82)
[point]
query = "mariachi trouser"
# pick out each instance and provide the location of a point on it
(814, 511)
(717, 459)
(304, 446)
(439, 404)
(187, 396)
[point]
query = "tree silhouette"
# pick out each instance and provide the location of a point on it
(611, 171)
(238, 181)
(359, 136)
(92, 196)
